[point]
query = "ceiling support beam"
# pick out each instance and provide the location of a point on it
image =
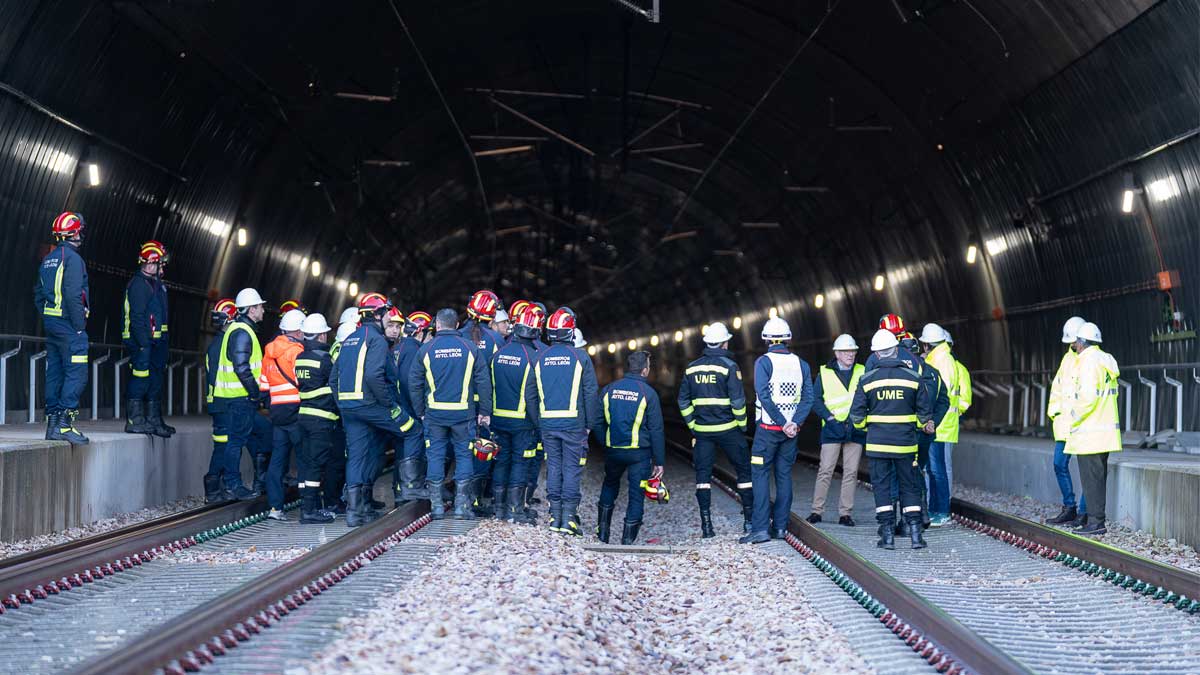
(538, 125)
(676, 165)
(666, 148)
(666, 118)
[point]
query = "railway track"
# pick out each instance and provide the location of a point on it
(999, 594)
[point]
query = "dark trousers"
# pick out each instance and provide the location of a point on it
(704, 454)
(924, 442)
(566, 453)
(445, 439)
(902, 469)
(618, 462)
(158, 369)
(246, 429)
(368, 429)
(534, 470)
(66, 364)
(335, 467)
(317, 442)
(139, 370)
(773, 454)
(286, 439)
(220, 438)
(517, 454)
(1093, 475)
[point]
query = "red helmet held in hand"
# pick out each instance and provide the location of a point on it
(656, 490)
(486, 449)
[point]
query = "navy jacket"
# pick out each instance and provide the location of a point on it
(891, 403)
(314, 369)
(930, 378)
(62, 287)
(514, 387)
(832, 431)
(762, 388)
(361, 369)
(142, 311)
(448, 375)
(711, 396)
(632, 417)
(486, 340)
(561, 369)
(212, 359)
(405, 354)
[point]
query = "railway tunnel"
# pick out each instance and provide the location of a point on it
(992, 166)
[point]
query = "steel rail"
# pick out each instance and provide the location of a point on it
(158, 647)
(963, 645)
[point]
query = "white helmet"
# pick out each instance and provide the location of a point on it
(1088, 331)
(580, 342)
(501, 315)
(883, 339)
(349, 315)
(776, 329)
(314, 324)
(933, 333)
(1070, 328)
(844, 343)
(344, 331)
(715, 333)
(949, 338)
(291, 320)
(248, 297)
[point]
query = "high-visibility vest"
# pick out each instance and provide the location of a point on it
(228, 385)
(280, 358)
(941, 359)
(836, 396)
(964, 386)
(787, 382)
(1095, 420)
(1062, 389)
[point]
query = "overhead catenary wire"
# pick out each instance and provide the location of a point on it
(487, 211)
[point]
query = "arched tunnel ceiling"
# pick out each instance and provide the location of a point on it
(569, 227)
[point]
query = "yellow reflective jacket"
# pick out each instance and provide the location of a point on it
(1062, 388)
(1095, 422)
(943, 361)
(965, 395)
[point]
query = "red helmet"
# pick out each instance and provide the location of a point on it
(515, 310)
(656, 490)
(483, 305)
(529, 322)
(67, 224)
(417, 322)
(289, 305)
(892, 323)
(373, 304)
(152, 252)
(561, 325)
(394, 315)
(486, 449)
(224, 311)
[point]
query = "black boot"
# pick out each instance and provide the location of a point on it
(706, 526)
(262, 462)
(369, 514)
(212, 488)
(437, 507)
(603, 522)
(51, 425)
(412, 485)
(1093, 527)
(517, 513)
(887, 532)
(903, 527)
(915, 530)
(556, 516)
(154, 420)
(354, 511)
(630, 533)
(500, 502)
(747, 497)
(463, 499)
(572, 524)
(135, 417)
(530, 490)
(926, 519)
(1080, 522)
(899, 520)
(478, 505)
(64, 428)
(1067, 514)
(310, 508)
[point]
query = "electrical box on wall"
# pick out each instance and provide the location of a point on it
(1168, 280)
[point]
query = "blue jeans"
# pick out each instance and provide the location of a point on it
(772, 454)
(636, 465)
(939, 481)
(246, 429)
(1062, 471)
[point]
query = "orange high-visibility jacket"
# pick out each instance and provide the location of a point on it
(279, 371)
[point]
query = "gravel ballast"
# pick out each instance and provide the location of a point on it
(1168, 551)
(13, 548)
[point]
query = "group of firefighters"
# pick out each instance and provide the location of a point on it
(491, 400)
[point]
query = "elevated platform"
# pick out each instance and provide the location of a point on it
(47, 486)
(1148, 490)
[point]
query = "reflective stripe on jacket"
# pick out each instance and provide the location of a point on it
(1062, 389)
(514, 390)
(940, 358)
(837, 405)
(62, 287)
(964, 387)
(228, 383)
(891, 403)
(782, 387)
(711, 397)
(567, 389)
(314, 367)
(632, 417)
(279, 378)
(448, 374)
(1095, 420)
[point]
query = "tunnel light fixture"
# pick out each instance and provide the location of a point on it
(773, 313)
(591, 350)
(879, 281)
(242, 236)
(972, 254)
(737, 322)
(612, 348)
(1163, 189)
(819, 301)
(93, 175)
(679, 336)
(653, 340)
(1127, 202)
(633, 344)
(352, 291)
(996, 246)
(316, 268)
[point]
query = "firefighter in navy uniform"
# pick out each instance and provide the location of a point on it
(223, 313)
(142, 325)
(515, 417)
(892, 405)
(368, 407)
(237, 383)
(451, 391)
(481, 309)
(632, 432)
(159, 351)
(713, 403)
(783, 388)
(404, 353)
(335, 471)
(569, 408)
(61, 297)
(317, 417)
